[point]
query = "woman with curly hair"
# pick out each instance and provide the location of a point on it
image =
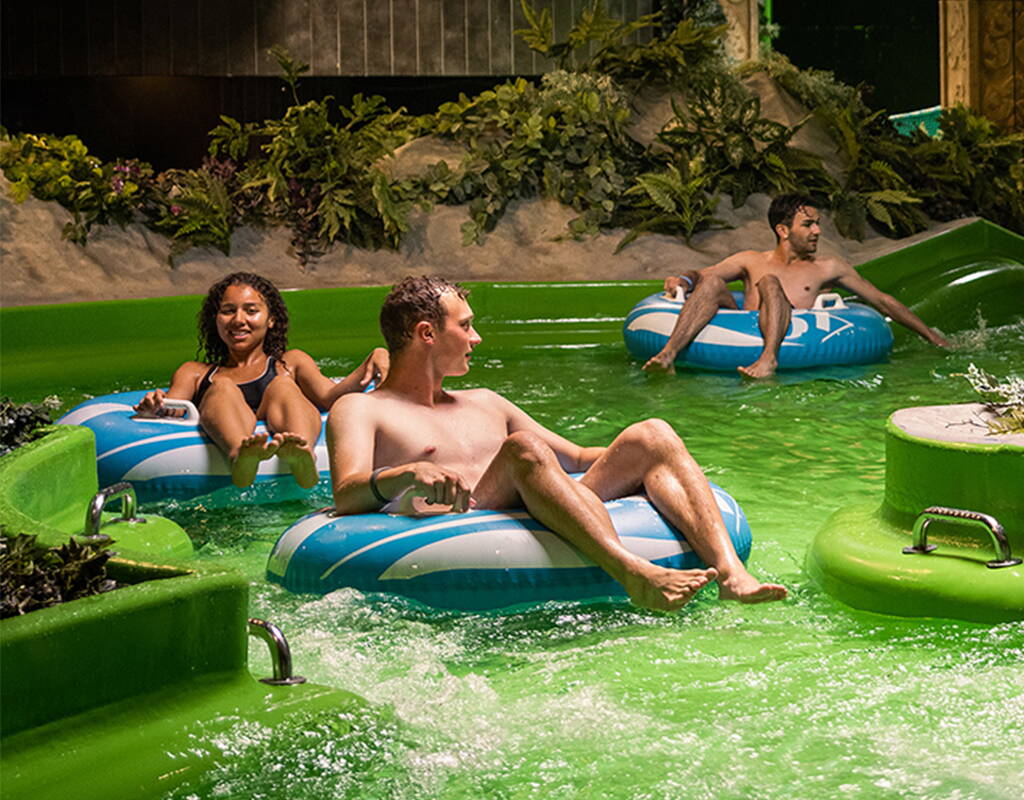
(247, 374)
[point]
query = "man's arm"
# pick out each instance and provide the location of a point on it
(357, 487)
(729, 269)
(852, 281)
(571, 456)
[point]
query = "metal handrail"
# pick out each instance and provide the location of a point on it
(94, 513)
(280, 652)
(1001, 545)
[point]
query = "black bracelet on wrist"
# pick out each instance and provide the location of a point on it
(376, 489)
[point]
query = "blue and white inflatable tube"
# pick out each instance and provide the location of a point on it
(831, 333)
(478, 560)
(165, 456)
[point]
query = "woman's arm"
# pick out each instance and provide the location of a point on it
(321, 390)
(183, 387)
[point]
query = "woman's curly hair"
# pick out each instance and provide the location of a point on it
(212, 349)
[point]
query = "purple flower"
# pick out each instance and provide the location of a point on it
(117, 184)
(175, 210)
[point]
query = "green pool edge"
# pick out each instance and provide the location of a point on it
(117, 695)
(946, 279)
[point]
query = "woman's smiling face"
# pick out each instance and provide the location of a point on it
(243, 318)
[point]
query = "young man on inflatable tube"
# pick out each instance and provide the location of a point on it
(775, 282)
(413, 444)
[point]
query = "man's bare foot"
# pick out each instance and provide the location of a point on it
(666, 589)
(745, 588)
(660, 363)
(295, 451)
(251, 452)
(762, 368)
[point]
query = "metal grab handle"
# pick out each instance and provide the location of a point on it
(280, 652)
(995, 531)
(94, 513)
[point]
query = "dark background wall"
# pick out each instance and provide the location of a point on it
(149, 78)
(892, 45)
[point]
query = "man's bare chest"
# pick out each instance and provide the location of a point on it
(452, 436)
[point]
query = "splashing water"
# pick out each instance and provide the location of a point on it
(804, 698)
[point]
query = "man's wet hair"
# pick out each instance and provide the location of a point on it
(212, 348)
(414, 300)
(784, 208)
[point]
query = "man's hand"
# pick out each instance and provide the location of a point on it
(439, 485)
(939, 340)
(687, 280)
(152, 404)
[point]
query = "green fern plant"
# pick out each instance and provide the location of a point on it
(674, 59)
(675, 201)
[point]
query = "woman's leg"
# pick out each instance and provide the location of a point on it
(296, 425)
(228, 420)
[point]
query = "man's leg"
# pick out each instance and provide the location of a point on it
(295, 422)
(651, 455)
(774, 314)
(228, 420)
(526, 471)
(709, 295)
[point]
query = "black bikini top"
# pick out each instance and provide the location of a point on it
(252, 390)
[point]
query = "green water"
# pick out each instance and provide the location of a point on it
(805, 698)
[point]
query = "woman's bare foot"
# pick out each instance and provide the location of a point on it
(666, 589)
(742, 586)
(251, 452)
(296, 452)
(661, 362)
(762, 368)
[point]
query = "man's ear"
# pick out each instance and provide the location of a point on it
(782, 231)
(424, 330)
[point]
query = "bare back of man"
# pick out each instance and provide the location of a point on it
(775, 282)
(421, 447)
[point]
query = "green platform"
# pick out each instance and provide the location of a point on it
(112, 696)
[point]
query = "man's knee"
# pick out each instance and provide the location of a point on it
(770, 285)
(526, 450)
(710, 284)
(654, 436)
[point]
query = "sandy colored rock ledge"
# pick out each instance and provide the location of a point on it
(37, 266)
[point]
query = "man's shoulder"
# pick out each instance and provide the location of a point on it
(480, 396)
(355, 403)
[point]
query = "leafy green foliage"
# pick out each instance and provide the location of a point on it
(671, 59)
(318, 177)
(564, 140)
(722, 126)
(60, 168)
(19, 423)
(972, 168)
(674, 201)
(317, 169)
(34, 577)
